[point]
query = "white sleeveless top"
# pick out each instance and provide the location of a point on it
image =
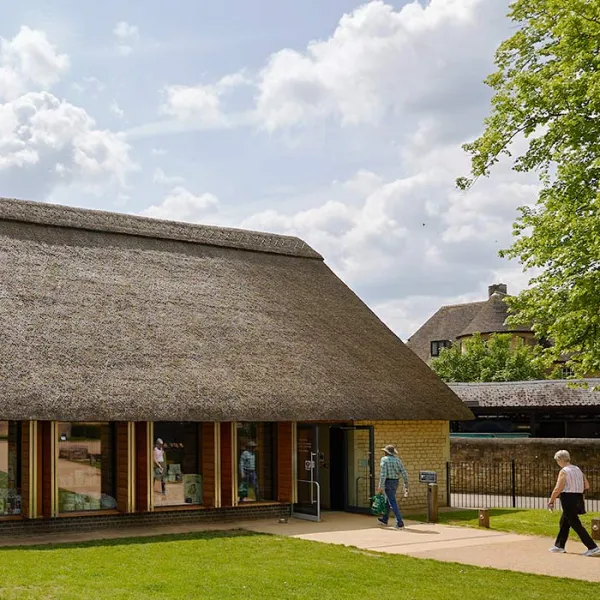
(574, 480)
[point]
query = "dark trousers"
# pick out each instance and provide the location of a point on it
(391, 487)
(570, 520)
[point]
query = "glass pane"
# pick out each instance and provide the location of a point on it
(256, 462)
(359, 469)
(10, 471)
(86, 466)
(307, 469)
(177, 464)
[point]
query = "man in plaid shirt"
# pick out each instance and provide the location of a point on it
(391, 471)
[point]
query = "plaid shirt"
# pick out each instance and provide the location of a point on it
(392, 468)
(247, 462)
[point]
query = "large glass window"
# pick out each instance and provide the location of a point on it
(10, 468)
(177, 464)
(256, 462)
(86, 466)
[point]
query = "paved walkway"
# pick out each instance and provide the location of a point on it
(479, 547)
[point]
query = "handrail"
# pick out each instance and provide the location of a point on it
(312, 500)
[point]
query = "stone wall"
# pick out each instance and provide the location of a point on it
(485, 465)
(423, 446)
(584, 452)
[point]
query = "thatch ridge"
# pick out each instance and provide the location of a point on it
(110, 222)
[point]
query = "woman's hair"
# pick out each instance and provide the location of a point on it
(562, 455)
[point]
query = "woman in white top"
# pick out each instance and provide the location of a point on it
(570, 486)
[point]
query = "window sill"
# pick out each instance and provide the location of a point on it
(180, 507)
(4, 518)
(89, 513)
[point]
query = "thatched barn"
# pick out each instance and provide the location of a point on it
(154, 368)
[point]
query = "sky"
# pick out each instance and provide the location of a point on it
(339, 122)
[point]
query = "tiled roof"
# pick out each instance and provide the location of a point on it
(529, 394)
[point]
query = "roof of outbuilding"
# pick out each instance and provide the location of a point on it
(530, 394)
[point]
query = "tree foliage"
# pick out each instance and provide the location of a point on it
(500, 358)
(547, 91)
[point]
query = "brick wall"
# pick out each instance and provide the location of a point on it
(423, 446)
(95, 522)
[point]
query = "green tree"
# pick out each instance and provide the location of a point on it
(547, 91)
(500, 358)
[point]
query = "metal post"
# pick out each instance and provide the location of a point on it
(484, 518)
(513, 470)
(432, 503)
(596, 529)
(448, 484)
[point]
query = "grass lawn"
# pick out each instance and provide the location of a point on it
(527, 522)
(235, 565)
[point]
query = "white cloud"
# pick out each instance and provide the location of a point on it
(162, 178)
(158, 152)
(382, 61)
(183, 205)
(200, 103)
(29, 61)
(91, 86)
(115, 109)
(411, 243)
(127, 37)
(45, 142)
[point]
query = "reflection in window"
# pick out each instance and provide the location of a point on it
(86, 466)
(10, 468)
(177, 464)
(256, 462)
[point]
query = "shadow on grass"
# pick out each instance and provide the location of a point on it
(134, 541)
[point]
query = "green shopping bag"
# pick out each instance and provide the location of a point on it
(378, 504)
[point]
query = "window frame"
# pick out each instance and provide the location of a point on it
(439, 345)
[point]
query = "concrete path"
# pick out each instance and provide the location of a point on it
(479, 547)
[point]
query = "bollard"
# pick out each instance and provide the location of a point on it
(596, 529)
(484, 518)
(432, 503)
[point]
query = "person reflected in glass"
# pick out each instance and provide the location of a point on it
(159, 465)
(248, 478)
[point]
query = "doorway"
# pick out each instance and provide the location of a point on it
(335, 467)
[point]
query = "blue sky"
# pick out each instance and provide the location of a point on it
(337, 121)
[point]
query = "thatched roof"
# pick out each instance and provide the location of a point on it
(530, 394)
(458, 321)
(115, 317)
(491, 318)
(446, 324)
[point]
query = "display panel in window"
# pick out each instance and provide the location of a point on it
(255, 462)
(176, 463)
(10, 468)
(438, 345)
(86, 471)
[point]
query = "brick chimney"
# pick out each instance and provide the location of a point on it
(497, 287)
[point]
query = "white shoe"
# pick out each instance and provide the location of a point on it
(557, 550)
(593, 552)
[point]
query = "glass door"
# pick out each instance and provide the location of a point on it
(359, 480)
(308, 505)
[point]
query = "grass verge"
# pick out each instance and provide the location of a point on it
(251, 566)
